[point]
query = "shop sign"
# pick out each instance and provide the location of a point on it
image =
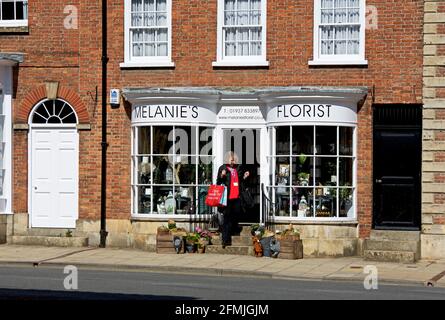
(312, 113)
(245, 115)
(171, 113)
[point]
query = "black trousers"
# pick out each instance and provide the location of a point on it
(231, 218)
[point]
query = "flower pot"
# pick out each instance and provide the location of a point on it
(190, 247)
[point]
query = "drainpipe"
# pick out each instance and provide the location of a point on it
(104, 144)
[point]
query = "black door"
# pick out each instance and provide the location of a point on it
(246, 144)
(397, 167)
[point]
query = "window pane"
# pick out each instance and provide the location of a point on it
(144, 140)
(19, 13)
(282, 171)
(326, 171)
(163, 140)
(325, 202)
(346, 134)
(161, 5)
(205, 170)
(282, 201)
(144, 168)
(136, 20)
(326, 140)
(144, 203)
(185, 140)
(302, 202)
(339, 47)
(185, 200)
(163, 200)
(202, 207)
(346, 171)
(205, 140)
(282, 140)
(149, 19)
(327, 16)
(302, 171)
(327, 3)
(185, 169)
(340, 15)
(8, 11)
(162, 170)
(302, 140)
(346, 205)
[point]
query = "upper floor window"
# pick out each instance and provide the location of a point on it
(241, 33)
(13, 13)
(147, 33)
(339, 32)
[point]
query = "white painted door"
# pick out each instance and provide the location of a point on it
(54, 178)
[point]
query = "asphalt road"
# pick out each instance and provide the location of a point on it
(47, 283)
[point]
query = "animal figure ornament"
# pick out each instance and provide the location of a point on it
(257, 248)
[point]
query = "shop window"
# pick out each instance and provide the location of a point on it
(339, 33)
(312, 172)
(147, 33)
(13, 13)
(172, 169)
(241, 33)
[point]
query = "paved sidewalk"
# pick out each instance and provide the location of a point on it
(348, 269)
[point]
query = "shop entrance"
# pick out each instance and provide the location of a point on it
(397, 166)
(245, 143)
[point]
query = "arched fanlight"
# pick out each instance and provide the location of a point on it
(54, 112)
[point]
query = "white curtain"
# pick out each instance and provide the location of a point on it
(153, 41)
(340, 39)
(239, 39)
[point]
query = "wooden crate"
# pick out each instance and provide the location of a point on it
(291, 249)
(164, 243)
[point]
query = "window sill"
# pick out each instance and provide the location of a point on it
(13, 29)
(166, 64)
(252, 63)
(164, 218)
(338, 63)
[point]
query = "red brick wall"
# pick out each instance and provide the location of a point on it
(394, 53)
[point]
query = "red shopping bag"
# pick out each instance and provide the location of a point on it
(214, 195)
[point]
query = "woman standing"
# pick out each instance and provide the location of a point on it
(231, 175)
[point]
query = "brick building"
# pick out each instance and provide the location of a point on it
(322, 100)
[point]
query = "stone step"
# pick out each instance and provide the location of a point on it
(392, 245)
(46, 232)
(242, 241)
(237, 250)
(395, 235)
(50, 241)
(389, 256)
(246, 231)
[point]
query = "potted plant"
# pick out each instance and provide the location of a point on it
(191, 241)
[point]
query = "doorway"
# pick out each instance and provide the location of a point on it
(53, 166)
(245, 143)
(397, 166)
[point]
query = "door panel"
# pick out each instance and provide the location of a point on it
(397, 177)
(54, 180)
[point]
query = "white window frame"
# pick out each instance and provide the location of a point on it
(235, 61)
(15, 22)
(135, 184)
(271, 160)
(131, 62)
(333, 59)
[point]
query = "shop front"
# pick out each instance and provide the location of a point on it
(298, 143)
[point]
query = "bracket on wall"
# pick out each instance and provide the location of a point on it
(91, 93)
(373, 93)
